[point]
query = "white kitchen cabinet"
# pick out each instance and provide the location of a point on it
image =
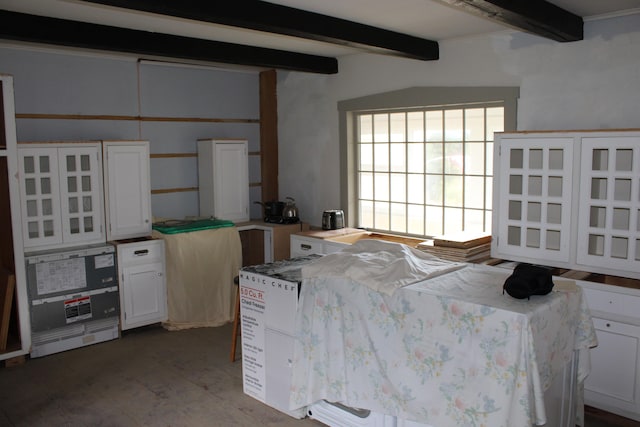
(305, 245)
(127, 189)
(609, 203)
(330, 241)
(223, 179)
(568, 199)
(61, 194)
(614, 382)
(143, 288)
(533, 198)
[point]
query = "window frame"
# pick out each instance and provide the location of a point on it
(418, 97)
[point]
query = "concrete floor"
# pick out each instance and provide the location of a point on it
(149, 377)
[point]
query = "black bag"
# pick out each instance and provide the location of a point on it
(528, 280)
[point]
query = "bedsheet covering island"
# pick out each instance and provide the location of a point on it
(451, 350)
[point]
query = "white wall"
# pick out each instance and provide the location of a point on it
(590, 84)
(594, 83)
(54, 81)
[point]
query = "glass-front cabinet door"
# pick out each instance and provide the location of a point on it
(60, 188)
(533, 198)
(80, 194)
(609, 211)
(40, 196)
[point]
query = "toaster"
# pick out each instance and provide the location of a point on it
(332, 219)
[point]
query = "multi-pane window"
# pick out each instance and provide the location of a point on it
(426, 172)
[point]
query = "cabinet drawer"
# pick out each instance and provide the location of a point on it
(134, 253)
(302, 246)
(612, 302)
(616, 327)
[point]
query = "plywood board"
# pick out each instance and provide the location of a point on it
(7, 288)
(464, 239)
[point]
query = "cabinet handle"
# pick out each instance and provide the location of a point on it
(305, 247)
(608, 325)
(141, 252)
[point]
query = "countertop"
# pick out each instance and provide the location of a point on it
(318, 233)
(623, 282)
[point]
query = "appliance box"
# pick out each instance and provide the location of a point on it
(268, 303)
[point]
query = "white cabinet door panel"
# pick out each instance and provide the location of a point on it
(533, 198)
(143, 288)
(40, 196)
(127, 189)
(613, 383)
(81, 194)
(223, 179)
(232, 174)
(144, 299)
(608, 216)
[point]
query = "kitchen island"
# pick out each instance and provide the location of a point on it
(449, 350)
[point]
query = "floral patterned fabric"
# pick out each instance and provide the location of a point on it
(448, 351)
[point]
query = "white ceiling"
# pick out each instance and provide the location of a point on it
(429, 19)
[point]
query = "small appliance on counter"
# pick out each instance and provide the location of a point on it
(332, 219)
(280, 212)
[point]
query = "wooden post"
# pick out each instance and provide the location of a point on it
(269, 135)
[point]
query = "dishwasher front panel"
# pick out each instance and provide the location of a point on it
(52, 274)
(72, 287)
(56, 312)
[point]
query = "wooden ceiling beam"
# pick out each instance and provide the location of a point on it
(40, 29)
(534, 16)
(273, 18)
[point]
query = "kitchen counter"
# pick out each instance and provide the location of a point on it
(258, 224)
(318, 233)
(623, 282)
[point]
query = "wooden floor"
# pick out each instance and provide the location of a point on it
(149, 377)
(597, 418)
